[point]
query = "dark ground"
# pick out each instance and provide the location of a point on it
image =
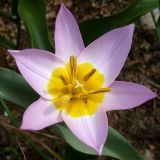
(141, 126)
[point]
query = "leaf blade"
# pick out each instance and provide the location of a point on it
(33, 15)
(15, 89)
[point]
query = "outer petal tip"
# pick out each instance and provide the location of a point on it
(26, 126)
(150, 94)
(100, 150)
(22, 127)
(130, 28)
(63, 6)
(153, 95)
(132, 25)
(12, 52)
(63, 9)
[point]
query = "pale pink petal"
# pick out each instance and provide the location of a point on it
(92, 130)
(36, 67)
(68, 40)
(39, 115)
(109, 52)
(126, 95)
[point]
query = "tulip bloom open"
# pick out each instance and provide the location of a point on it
(77, 85)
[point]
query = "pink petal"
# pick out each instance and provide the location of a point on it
(39, 115)
(68, 40)
(126, 95)
(92, 130)
(109, 52)
(36, 67)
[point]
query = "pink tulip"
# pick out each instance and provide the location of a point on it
(77, 84)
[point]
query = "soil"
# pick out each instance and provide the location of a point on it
(141, 125)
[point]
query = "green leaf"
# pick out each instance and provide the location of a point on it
(32, 12)
(15, 89)
(116, 145)
(92, 29)
(6, 43)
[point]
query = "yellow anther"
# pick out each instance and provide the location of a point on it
(84, 97)
(63, 80)
(63, 100)
(101, 90)
(88, 75)
(73, 67)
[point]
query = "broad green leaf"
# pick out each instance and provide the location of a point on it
(6, 43)
(92, 29)
(116, 145)
(32, 12)
(15, 89)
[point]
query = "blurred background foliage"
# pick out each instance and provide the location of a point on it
(30, 24)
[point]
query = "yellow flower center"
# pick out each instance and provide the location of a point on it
(77, 88)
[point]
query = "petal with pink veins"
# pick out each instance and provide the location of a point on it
(109, 52)
(91, 130)
(68, 40)
(36, 67)
(39, 115)
(126, 95)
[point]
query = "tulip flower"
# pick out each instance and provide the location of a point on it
(76, 84)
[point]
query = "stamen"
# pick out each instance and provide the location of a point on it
(63, 100)
(73, 66)
(101, 90)
(88, 75)
(84, 97)
(63, 80)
